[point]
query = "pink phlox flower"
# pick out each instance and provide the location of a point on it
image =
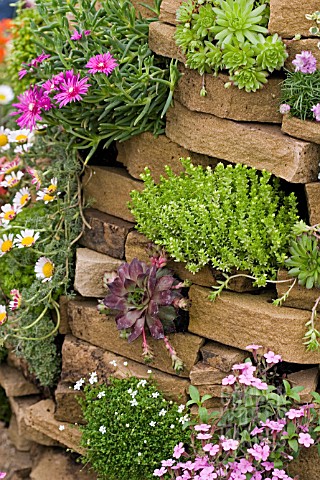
(188, 465)
(204, 436)
(229, 444)
(268, 466)
(208, 471)
(303, 428)
(256, 476)
(71, 88)
(203, 427)
(168, 463)
(102, 63)
(211, 449)
(237, 475)
(259, 384)
(241, 366)
(305, 62)
(76, 35)
(305, 439)
(229, 380)
(200, 463)
(30, 105)
(246, 378)
(308, 406)
(3, 474)
(271, 357)
(316, 112)
(279, 474)
(186, 475)
(256, 431)
(284, 108)
(253, 347)
(159, 472)
(259, 452)
(273, 425)
(178, 450)
(243, 466)
(294, 413)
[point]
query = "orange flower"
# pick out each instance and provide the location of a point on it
(5, 26)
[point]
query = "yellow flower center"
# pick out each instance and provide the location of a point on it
(27, 241)
(52, 188)
(6, 246)
(9, 215)
(21, 138)
(3, 317)
(47, 269)
(3, 98)
(24, 199)
(12, 182)
(3, 139)
(48, 198)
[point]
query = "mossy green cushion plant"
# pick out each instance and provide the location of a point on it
(130, 427)
(230, 218)
(230, 34)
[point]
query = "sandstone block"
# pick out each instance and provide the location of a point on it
(110, 188)
(40, 417)
(241, 319)
(297, 46)
(299, 297)
(68, 408)
(221, 356)
(145, 150)
(101, 330)
(304, 129)
(308, 379)
(107, 235)
(90, 269)
(313, 200)
(307, 465)
(16, 464)
(162, 42)
(217, 393)
(168, 11)
(287, 17)
(21, 443)
(90, 358)
(259, 146)
(64, 324)
(142, 9)
(204, 374)
(54, 463)
(14, 383)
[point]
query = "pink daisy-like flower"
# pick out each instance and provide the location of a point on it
(30, 106)
(103, 63)
(71, 89)
(15, 303)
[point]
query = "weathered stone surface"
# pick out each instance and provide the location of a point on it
(19, 406)
(216, 391)
(68, 408)
(168, 11)
(307, 379)
(145, 150)
(64, 324)
(287, 17)
(87, 324)
(204, 374)
(241, 319)
(110, 188)
(299, 297)
(21, 443)
(259, 146)
(297, 46)
(14, 383)
(221, 356)
(107, 235)
(313, 200)
(307, 465)
(90, 358)
(90, 269)
(40, 417)
(55, 464)
(16, 464)
(140, 8)
(304, 129)
(262, 106)
(162, 42)
(136, 245)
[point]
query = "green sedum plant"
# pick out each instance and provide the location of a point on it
(130, 426)
(230, 218)
(230, 34)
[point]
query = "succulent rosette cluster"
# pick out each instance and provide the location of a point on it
(145, 297)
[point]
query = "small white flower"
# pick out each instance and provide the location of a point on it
(184, 419)
(144, 441)
(113, 362)
(3, 314)
(8, 212)
(149, 371)
(6, 94)
(162, 412)
(133, 402)
(101, 394)
(4, 139)
(26, 238)
(44, 269)
(93, 378)
(102, 429)
(61, 428)
(133, 394)
(46, 197)
(172, 426)
(142, 383)
(125, 364)
(22, 197)
(79, 384)
(127, 425)
(152, 423)
(116, 413)
(155, 394)
(12, 180)
(181, 408)
(6, 244)
(139, 454)
(22, 137)
(130, 390)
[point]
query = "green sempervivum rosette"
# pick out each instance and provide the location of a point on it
(236, 56)
(271, 53)
(249, 78)
(204, 21)
(304, 262)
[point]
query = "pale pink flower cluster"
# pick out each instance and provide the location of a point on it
(244, 374)
(305, 62)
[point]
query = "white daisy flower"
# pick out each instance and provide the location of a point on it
(3, 314)
(8, 212)
(53, 186)
(6, 243)
(45, 197)
(6, 94)
(93, 378)
(12, 180)
(22, 197)
(8, 167)
(4, 139)
(21, 136)
(20, 149)
(102, 429)
(44, 269)
(26, 238)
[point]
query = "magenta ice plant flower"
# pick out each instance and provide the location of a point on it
(30, 106)
(305, 62)
(76, 35)
(71, 88)
(102, 63)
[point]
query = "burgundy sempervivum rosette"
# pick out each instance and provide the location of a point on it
(146, 296)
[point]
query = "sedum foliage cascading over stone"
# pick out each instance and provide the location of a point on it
(230, 218)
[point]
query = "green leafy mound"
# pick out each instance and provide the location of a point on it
(301, 91)
(141, 428)
(230, 34)
(230, 217)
